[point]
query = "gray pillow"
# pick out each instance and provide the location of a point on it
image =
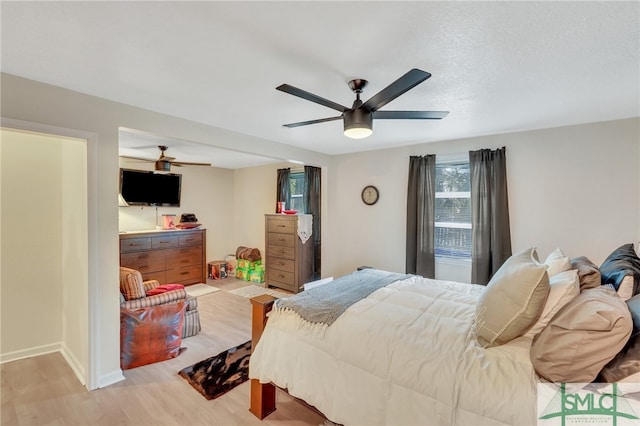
(588, 272)
(513, 299)
(582, 337)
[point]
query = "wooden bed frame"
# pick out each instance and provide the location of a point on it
(263, 395)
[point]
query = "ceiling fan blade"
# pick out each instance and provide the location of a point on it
(395, 89)
(187, 163)
(305, 123)
(136, 158)
(166, 158)
(410, 115)
(311, 97)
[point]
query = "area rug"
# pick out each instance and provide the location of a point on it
(197, 290)
(219, 374)
(254, 290)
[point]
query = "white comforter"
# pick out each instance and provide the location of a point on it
(407, 354)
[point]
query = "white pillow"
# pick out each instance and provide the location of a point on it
(564, 287)
(513, 300)
(557, 262)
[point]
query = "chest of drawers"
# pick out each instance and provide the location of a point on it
(289, 262)
(175, 257)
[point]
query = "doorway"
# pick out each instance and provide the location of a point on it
(46, 256)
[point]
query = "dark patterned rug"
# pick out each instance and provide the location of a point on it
(219, 374)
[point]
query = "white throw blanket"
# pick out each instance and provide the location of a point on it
(407, 354)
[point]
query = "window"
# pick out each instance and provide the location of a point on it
(453, 209)
(296, 182)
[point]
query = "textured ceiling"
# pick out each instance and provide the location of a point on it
(497, 66)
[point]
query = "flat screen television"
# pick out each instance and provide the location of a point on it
(145, 188)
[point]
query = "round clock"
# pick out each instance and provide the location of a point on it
(370, 195)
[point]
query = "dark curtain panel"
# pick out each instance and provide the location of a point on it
(312, 206)
(283, 189)
(491, 237)
(421, 196)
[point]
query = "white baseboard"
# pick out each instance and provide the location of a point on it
(80, 372)
(76, 366)
(30, 352)
(110, 378)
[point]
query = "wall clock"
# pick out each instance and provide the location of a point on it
(370, 195)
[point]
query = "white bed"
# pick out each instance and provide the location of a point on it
(406, 354)
(404, 350)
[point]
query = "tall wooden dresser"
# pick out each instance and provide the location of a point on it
(171, 257)
(289, 262)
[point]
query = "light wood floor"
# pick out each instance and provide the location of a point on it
(44, 391)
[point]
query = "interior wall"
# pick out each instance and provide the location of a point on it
(206, 191)
(254, 196)
(575, 187)
(35, 102)
(45, 262)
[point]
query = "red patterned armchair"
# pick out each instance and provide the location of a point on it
(133, 295)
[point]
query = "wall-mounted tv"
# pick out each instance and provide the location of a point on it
(145, 188)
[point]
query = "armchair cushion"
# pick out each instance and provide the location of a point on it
(131, 285)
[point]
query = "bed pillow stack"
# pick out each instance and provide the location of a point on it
(596, 335)
(513, 300)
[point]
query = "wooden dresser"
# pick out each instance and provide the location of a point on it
(289, 263)
(171, 257)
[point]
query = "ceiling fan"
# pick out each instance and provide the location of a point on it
(358, 120)
(164, 163)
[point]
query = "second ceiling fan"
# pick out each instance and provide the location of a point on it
(358, 120)
(164, 162)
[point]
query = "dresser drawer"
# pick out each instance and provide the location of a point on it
(164, 242)
(280, 251)
(135, 244)
(281, 264)
(280, 277)
(194, 239)
(143, 261)
(187, 256)
(156, 275)
(281, 226)
(180, 275)
(281, 239)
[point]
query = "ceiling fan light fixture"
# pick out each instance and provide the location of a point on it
(163, 166)
(358, 123)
